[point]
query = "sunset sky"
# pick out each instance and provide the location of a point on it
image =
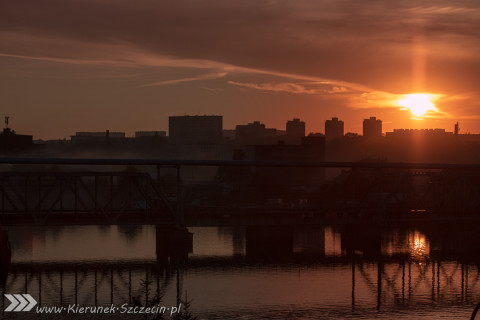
(92, 65)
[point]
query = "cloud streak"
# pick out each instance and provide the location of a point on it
(209, 76)
(294, 88)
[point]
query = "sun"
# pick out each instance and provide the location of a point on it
(418, 103)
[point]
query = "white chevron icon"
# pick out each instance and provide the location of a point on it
(20, 302)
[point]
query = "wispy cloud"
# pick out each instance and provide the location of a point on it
(448, 9)
(275, 87)
(295, 88)
(209, 76)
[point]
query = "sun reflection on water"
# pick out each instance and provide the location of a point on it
(418, 246)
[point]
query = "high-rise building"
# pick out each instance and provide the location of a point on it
(195, 129)
(372, 128)
(334, 128)
(295, 130)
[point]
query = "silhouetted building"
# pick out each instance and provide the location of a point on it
(195, 129)
(410, 133)
(372, 128)
(12, 142)
(144, 134)
(229, 134)
(457, 128)
(295, 130)
(425, 145)
(317, 142)
(312, 148)
(148, 141)
(81, 137)
(255, 133)
(334, 129)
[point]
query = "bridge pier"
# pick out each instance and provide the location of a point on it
(265, 242)
(173, 244)
(366, 239)
(5, 257)
(309, 240)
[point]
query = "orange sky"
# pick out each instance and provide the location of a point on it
(92, 65)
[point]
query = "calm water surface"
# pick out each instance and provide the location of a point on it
(244, 273)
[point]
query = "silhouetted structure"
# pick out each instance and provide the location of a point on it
(255, 133)
(5, 257)
(142, 134)
(195, 129)
(229, 134)
(312, 148)
(149, 142)
(457, 128)
(12, 142)
(118, 195)
(426, 145)
(399, 133)
(372, 128)
(82, 137)
(295, 130)
(268, 243)
(334, 128)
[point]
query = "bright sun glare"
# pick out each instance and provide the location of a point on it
(418, 103)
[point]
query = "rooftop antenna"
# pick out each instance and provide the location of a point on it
(6, 122)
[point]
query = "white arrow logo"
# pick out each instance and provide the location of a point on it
(20, 302)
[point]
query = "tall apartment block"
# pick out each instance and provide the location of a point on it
(372, 128)
(334, 129)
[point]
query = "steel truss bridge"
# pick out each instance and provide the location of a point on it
(82, 197)
(382, 191)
